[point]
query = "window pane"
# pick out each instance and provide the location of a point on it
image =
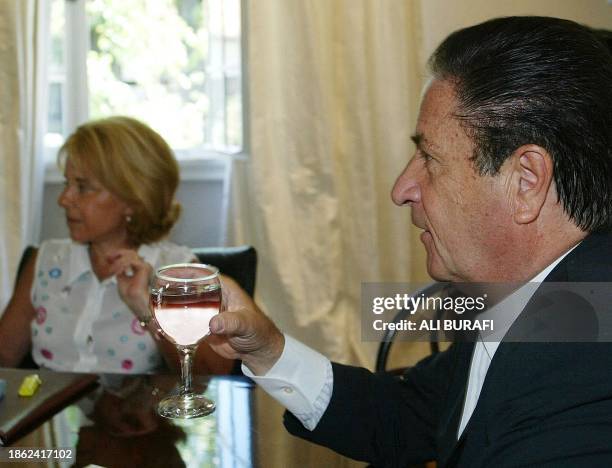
(55, 109)
(175, 64)
(162, 63)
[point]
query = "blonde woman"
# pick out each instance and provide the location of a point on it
(76, 307)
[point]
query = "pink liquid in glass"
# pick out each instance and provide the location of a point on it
(184, 316)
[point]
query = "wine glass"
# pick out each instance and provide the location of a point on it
(184, 297)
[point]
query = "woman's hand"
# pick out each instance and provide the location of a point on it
(133, 275)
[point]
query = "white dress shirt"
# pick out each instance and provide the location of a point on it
(302, 379)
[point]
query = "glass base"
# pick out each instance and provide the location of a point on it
(185, 406)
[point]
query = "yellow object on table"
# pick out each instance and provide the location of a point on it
(30, 385)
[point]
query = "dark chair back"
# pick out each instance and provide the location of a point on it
(25, 256)
(238, 262)
(27, 362)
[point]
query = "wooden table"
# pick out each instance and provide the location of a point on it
(123, 430)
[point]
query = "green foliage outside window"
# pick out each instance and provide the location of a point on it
(174, 64)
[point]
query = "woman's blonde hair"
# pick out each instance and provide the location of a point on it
(134, 163)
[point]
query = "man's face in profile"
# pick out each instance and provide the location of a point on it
(465, 217)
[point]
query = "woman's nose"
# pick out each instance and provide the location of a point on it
(65, 197)
(406, 188)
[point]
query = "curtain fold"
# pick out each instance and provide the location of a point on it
(23, 114)
(334, 89)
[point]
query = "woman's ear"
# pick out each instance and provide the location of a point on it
(128, 212)
(533, 172)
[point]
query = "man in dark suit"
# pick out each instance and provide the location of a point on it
(511, 182)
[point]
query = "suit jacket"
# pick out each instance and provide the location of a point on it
(541, 404)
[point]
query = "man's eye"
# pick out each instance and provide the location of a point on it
(424, 156)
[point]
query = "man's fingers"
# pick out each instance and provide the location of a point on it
(229, 323)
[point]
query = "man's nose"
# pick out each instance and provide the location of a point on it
(406, 188)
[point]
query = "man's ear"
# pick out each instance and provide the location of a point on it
(533, 170)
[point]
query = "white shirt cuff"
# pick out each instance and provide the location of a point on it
(301, 380)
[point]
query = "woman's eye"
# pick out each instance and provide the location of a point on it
(81, 187)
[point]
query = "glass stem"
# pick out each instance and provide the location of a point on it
(186, 355)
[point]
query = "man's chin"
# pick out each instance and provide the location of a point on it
(436, 270)
(437, 276)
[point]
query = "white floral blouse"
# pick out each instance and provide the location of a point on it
(81, 324)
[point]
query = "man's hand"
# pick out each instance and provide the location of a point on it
(243, 332)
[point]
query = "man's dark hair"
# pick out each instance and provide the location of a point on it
(543, 81)
(605, 35)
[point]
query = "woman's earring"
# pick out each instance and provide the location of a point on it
(128, 219)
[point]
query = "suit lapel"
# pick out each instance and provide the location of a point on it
(447, 440)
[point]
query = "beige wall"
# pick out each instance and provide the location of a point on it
(441, 17)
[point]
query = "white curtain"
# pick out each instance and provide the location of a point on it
(334, 88)
(23, 115)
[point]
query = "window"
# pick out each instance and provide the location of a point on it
(174, 64)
